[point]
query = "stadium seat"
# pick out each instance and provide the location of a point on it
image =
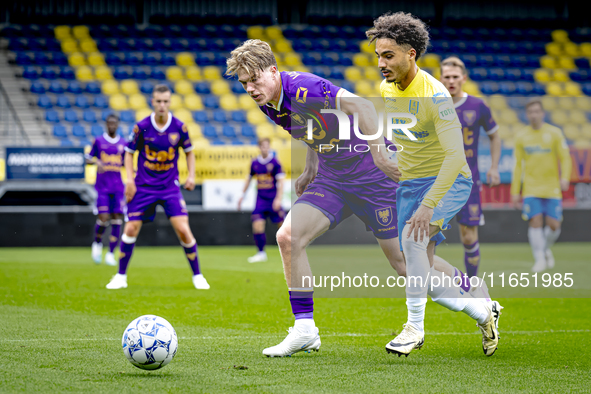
(200, 116)
(71, 116)
(246, 103)
(74, 87)
(220, 87)
(248, 131)
(229, 102)
(183, 87)
(81, 102)
(193, 102)
(101, 102)
(127, 116)
(84, 73)
(211, 102)
(110, 87)
(229, 132)
(139, 73)
(129, 87)
(66, 143)
(142, 114)
(184, 115)
(211, 73)
(44, 102)
(239, 116)
(56, 87)
(92, 88)
(96, 130)
(209, 132)
(220, 116)
(48, 73)
(194, 130)
(103, 73)
(193, 74)
(96, 59)
(174, 73)
(157, 73)
(37, 88)
(202, 88)
(84, 142)
(185, 59)
(52, 116)
(76, 59)
(122, 73)
(78, 131)
(146, 87)
(89, 116)
(118, 102)
(176, 102)
(67, 73)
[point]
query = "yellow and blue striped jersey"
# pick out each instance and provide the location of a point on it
(537, 154)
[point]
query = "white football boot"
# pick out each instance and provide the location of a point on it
(549, 259)
(118, 282)
(297, 340)
(110, 259)
(490, 329)
(410, 338)
(539, 266)
(200, 283)
(97, 252)
(260, 257)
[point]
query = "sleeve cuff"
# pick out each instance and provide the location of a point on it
(129, 150)
(493, 130)
(338, 98)
(189, 149)
(280, 175)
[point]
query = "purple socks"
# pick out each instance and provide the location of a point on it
(302, 304)
(125, 252)
(464, 279)
(472, 258)
(191, 252)
(99, 229)
(115, 232)
(260, 241)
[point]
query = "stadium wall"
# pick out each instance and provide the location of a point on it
(30, 229)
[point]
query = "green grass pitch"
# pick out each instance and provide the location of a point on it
(60, 329)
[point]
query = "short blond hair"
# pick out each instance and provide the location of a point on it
(454, 61)
(252, 56)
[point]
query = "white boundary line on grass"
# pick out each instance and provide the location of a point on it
(277, 335)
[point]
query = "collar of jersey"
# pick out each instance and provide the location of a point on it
(111, 140)
(410, 85)
(153, 120)
(280, 100)
(265, 161)
(462, 100)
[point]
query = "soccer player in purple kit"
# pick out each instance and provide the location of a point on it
(473, 114)
(158, 139)
(107, 153)
(357, 178)
(269, 176)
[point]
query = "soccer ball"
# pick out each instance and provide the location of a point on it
(149, 342)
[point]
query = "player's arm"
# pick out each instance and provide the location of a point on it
(517, 174)
(565, 162)
(368, 125)
(244, 189)
(310, 172)
(190, 183)
(130, 188)
(92, 157)
(279, 196)
(492, 176)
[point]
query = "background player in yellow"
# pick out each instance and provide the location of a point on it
(436, 180)
(538, 150)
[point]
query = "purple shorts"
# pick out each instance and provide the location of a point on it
(373, 203)
(264, 210)
(471, 213)
(143, 205)
(110, 203)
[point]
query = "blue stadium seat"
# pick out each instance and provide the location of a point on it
(211, 101)
(52, 44)
(52, 116)
(228, 131)
(121, 132)
(347, 85)
(63, 102)
(167, 60)
(513, 74)
(220, 116)
(485, 60)
(71, 116)
(479, 74)
(346, 59)
(237, 142)
(502, 61)
(507, 88)
(113, 59)
(496, 74)
(209, 132)
(105, 114)
(139, 73)
(146, 87)
(59, 131)
(30, 73)
(96, 130)
(205, 58)
(89, 116)
(200, 116)
(59, 58)
(37, 88)
(330, 58)
(44, 102)
(152, 59)
(582, 62)
(23, 59)
(239, 116)
(82, 102)
(582, 75)
(470, 60)
(67, 73)
(121, 73)
(217, 142)
(48, 73)
(203, 88)
(101, 101)
(518, 61)
(237, 87)
(145, 44)
(312, 59)
(92, 88)
(337, 73)
(248, 131)
(488, 88)
(527, 74)
(66, 143)
(84, 142)
(157, 73)
(134, 58)
(587, 89)
(539, 89)
(73, 87)
(127, 116)
(78, 131)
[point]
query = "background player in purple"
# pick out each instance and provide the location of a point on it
(269, 176)
(474, 114)
(158, 138)
(335, 184)
(107, 153)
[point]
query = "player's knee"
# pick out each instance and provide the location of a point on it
(284, 238)
(399, 266)
(470, 235)
(409, 243)
(132, 229)
(554, 226)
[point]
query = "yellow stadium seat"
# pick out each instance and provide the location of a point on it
(554, 89)
(560, 75)
(228, 102)
(278, 58)
(572, 89)
(549, 103)
(571, 49)
(102, 73)
(586, 131)
(193, 102)
(118, 102)
(361, 60)
(246, 103)
(76, 59)
(194, 130)
(62, 32)
(430, 60)
(220, 87)
(184, 87)
(193, 74)
(283, 46)
(69, 46)
(174, 73)
(185, 59)
(542, 75)
(585, 49)
(184, 115)
(265, 130)
(88, 46)
(554, 49)
(577, 117)
(571, 131)
(508, 116)
(142, 114)
(497, 101)
(353, 74)
(129, 87)
(582, 144)
(211, 73)
(366, 48)
(254, 32)
(471, 88)
(566, 62)
(84, 73)
(176, 102)
(137, 101)
(302, 69)
(583, 103)
(560, 36)
(256, 117)
(565, 102)
(548, 62)
(292, 59)
(80, 32)
(110, 87)
(559, 117)
(274, 32)
(365, 88)
(96, 59)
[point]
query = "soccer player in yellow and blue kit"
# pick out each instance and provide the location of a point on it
(538, 150)
(436, 180)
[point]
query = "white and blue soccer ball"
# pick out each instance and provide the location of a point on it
(149, 342)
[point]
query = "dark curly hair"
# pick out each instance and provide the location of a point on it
(403, 28)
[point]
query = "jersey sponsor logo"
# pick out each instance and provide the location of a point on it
(298, 119)
(384, 216)
(446, 112)
(469, 117)
(439, 98)
(530, 150)
(174, 137)
(302, 95)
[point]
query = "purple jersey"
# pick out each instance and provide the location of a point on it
(474, 114)
(158, 151)
(266, 171)
(110, 152)
(303, 96)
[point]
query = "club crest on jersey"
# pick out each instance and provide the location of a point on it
(413, 107)
(474, 211)
(270, 167)
(384, 216)
(173, 138)
(469, 117)
(301, 95)
(298, 119)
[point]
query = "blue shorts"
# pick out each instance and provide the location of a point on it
(411, 193)
(264, 210)
(533, 206)
(143, 205)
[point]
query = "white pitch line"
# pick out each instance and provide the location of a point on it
(278, 336)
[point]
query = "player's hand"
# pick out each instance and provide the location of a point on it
(303, 181)
(190, 184)
(240, 202)
(99, 167)
(277, 204)
(516, 201)
(130, 190)
(419, 223)
(564, 185)
(388, 167)
(493, 177)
